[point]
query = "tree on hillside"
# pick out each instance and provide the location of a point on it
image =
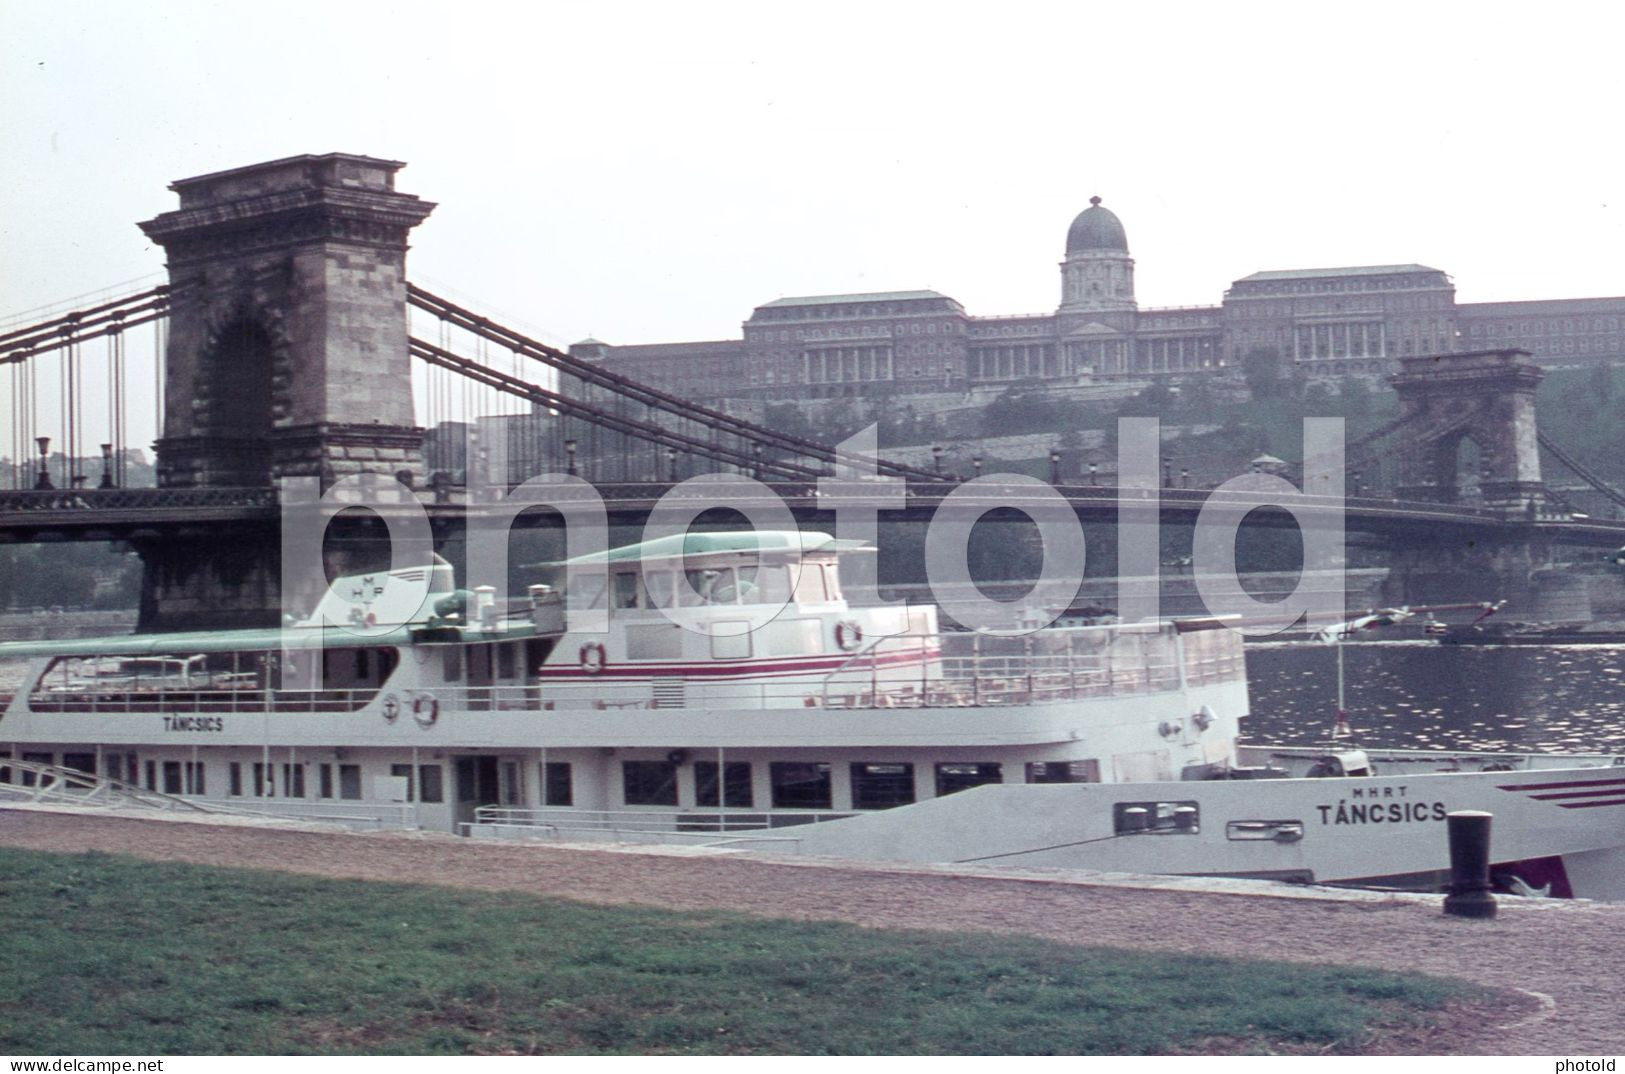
(1020, 408)
(1157, 400)
(1269, 373)
(1602, 382)
(787, 418)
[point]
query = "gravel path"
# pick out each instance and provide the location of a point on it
(1567, 951)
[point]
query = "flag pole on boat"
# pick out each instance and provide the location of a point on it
(1338, 633)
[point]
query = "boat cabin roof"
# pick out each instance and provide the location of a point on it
(780, 543)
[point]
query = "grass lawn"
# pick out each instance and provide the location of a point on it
(110, 955)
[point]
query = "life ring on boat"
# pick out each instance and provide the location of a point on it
(425, 709)
(593, 658)
(848, 635)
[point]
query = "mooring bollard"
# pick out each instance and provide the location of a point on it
(1469, 864)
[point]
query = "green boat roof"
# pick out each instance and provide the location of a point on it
(678, 546)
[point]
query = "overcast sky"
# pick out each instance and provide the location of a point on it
(652, 172)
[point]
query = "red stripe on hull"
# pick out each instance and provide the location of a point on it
(1608, 793)
(1591, 805)
(1565, 785)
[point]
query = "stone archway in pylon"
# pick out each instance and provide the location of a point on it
(1485, 396)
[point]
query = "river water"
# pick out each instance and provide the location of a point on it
(1421, 695)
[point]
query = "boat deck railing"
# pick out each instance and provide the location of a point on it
(1297, 760)
(39, 783)
(695, 827)
(188, 700)
(946, 670)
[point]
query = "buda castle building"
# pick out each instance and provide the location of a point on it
(1332, 322)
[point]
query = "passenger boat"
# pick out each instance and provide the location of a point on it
(775, 717)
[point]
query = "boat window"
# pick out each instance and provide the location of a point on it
(588, 591)
(194, 777)
(81, 762)
(431, 783)
(507, 660)
(404, 771)
(452, 663)
(1166, 818)
(234, 778)
(810, 584)
(764, 585)
(626, 590)
(712, 585)
(536, 650)
(657, 587)
(324, 779)
(800, 785)
(152, 771)
(172, 777)
(349, 781)
(556, 787)
(479, 665)
(654, 641)
(649, 782)
(264, 786)
(293, 780)
(730, 639)
(962, 776)
(736, 789)
(832, 581)
(882, 786)
(1268, 831)
(1064, 772)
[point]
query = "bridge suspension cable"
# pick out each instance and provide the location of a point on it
(69, 329)
(490, 377)
(1580, 470)
(63, 408)
(655, 399)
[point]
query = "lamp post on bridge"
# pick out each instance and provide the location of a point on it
(936, 458)
(570, 457)
(671, 459)
(976, 464)
(1093, 467)
(756, 459)
(1167, 473)
(44, 480)
(1054, 467)
(107, 467)
(1358, 489)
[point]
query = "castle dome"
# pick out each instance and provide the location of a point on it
(1096, 228)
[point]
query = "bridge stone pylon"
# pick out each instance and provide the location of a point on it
(1486, 397)
(288, 355)
(288, 344)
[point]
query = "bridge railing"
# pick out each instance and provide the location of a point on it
(137, 499)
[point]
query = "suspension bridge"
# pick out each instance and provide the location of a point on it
(287, 341)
